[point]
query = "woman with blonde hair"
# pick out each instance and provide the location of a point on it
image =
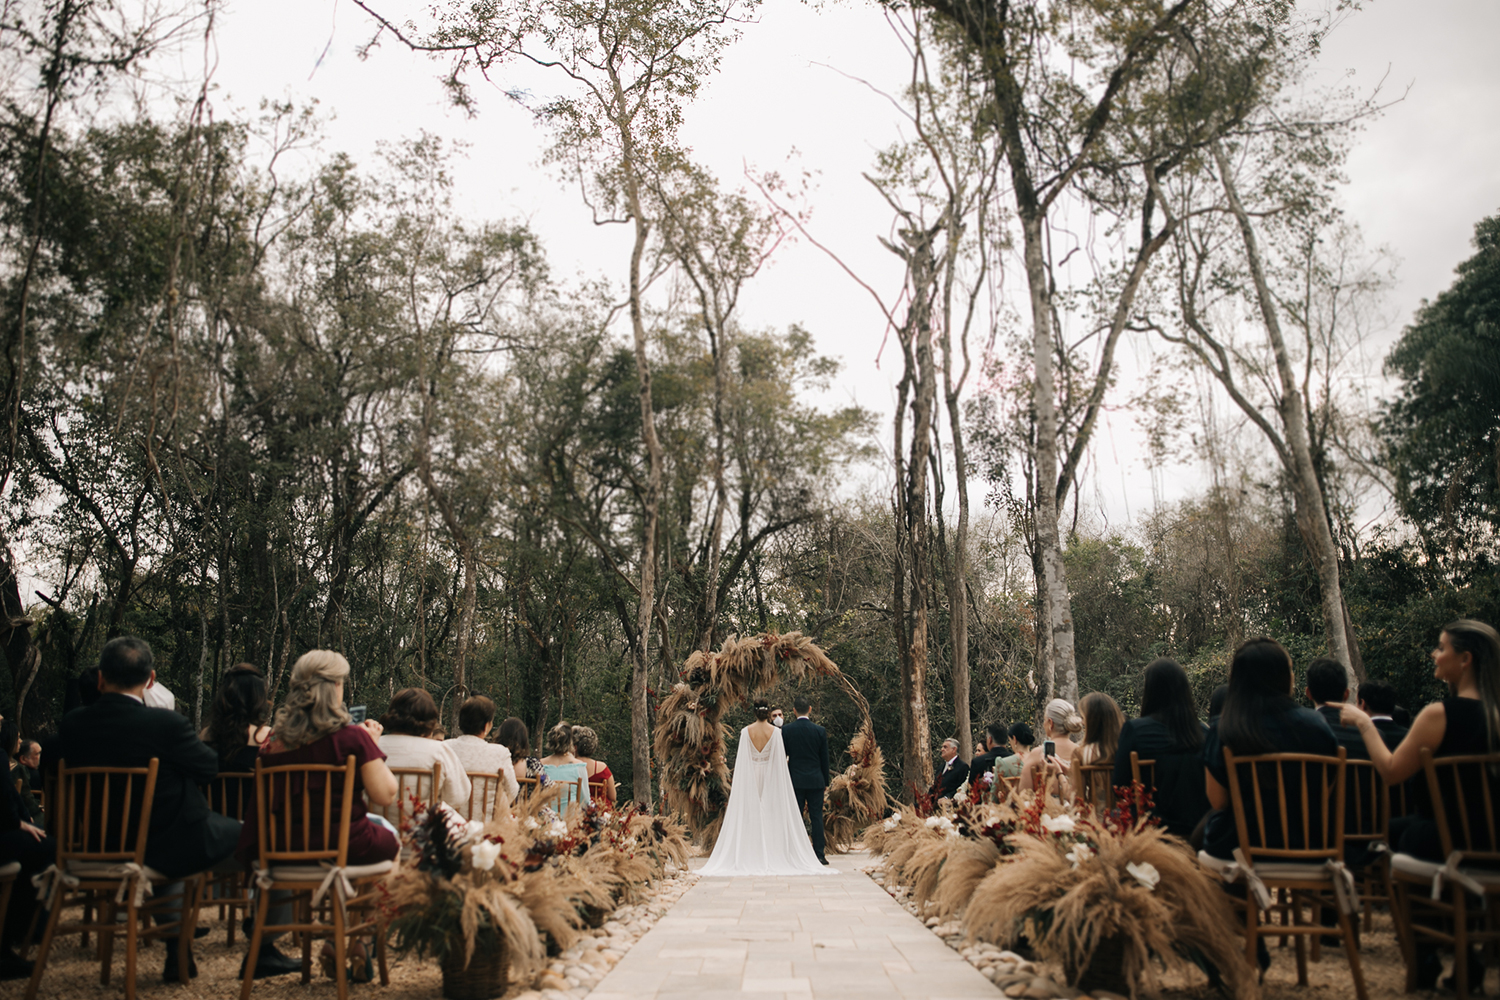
(313, 727)
(1060, 724)
(561, 766)
(586, 749)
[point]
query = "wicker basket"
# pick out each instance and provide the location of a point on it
(488, 974)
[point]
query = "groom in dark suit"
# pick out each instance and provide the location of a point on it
(807, 758)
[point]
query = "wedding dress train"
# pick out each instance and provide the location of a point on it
(762, 833)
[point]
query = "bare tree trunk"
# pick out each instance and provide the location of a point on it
(1059, 603)
(1307, 492)
(958, 561)
(721, 497)
(640, 711)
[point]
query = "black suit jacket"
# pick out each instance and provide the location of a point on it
(1348, 736)
(986, 762)
(946, 785)
(1391, 731)
(806, 745)
(118, 731)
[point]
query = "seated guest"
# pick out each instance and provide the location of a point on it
(31, 759)
(1021, 741)
(476, 718)
(23, 841)
(118, 730)
(952, 774)
(1259, 717)
(1467, 660)
(1060, 723)
(410, 740)
(20, 776)
(1169, 733)
(1102, 720)
(1377, 699)
(313, 727)
(984, 763)
(585, 748)
(515, 737)
(560, 765)
(1216, 703)
(1328, 689)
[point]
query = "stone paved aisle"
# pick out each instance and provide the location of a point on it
(802, 938)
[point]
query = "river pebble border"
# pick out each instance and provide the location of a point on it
(574, 974)
(1014, 975)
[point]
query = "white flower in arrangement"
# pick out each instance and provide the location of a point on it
(485, 854)
(531, 823)
(604, 818)
(473, 829)
(943, 825)
(557, 828)
(1145, 873)
(1058, 824)
(1080, 854)
(895, 817)
(892, 823)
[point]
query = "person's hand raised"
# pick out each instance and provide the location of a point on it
(1351, 715)
(373, 728)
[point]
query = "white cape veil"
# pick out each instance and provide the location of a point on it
(762, 833)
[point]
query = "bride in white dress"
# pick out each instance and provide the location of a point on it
(762, 832)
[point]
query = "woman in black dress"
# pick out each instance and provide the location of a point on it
(1168, 732)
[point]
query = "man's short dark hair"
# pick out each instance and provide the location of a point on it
(996, 733)
(1022, 734)
(474, 714)
(125, 662)
(801, 705)
(1216, 701)
(1378, 696)
(1326, 680)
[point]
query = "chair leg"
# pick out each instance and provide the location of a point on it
(88, 917)
(187, 925)
(41, 955)
(340, 953)
(1351, 949)
(132, 940)
(257, 931)
(108, 919)
(1251, 930)
(1300, 942)
(380, 936)
(1460, 943)
(304, 908)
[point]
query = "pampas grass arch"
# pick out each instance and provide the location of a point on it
(689, 740)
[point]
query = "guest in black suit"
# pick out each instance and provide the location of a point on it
(806, 745)
(995, 736)
(1328, 689)
(23, 841)
(1377, 699)
(954, 772)
(118, 730)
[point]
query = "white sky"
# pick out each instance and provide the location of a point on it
(1420, 177)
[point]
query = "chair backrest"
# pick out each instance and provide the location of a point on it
(528, 785)
(1465, 794)
(302, 812)
(230, 793)
(597, 789)
(414, 785)
(1095, 784)
(484, 797)
(1366, 802)
(1142, 773)
(103, 813)
(1288, 806)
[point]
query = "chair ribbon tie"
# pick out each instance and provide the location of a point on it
(337, 880)
(1344, 890)
(133, 879)
(1243, 869)
(50, 882)
(1451, 872)
(264, 879)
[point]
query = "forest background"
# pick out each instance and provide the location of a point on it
(262, 398)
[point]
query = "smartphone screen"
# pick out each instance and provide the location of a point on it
(357, 713)
(1049, 749)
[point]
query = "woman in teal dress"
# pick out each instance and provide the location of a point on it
(562, 767)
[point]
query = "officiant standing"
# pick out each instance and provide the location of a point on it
(806, 745)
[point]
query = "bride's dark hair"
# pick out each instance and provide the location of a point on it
(762, 710)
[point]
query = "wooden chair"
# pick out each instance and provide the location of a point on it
(1302, 854)
(102, 818)
(302, 821)
(1143, 774)
(8, 875)
(410, 782)
(1366, 825)
(528, 786)
(1095, 784)
(597, 791)
(484, 796)
(230, 794)
(1465, 795)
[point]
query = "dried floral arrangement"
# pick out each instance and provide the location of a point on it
(856, 798)
(523, 881)
(1108, 893)
(689, 740)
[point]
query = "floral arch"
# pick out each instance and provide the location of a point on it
(689, 739)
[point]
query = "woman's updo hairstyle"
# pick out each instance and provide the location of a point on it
(585, 742)
(411, 713)
(560, 739)
(1064, 717)
(762, 709)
